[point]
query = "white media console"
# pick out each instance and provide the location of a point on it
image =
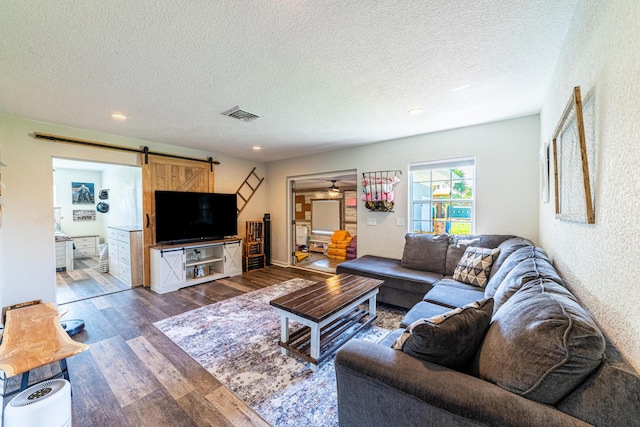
(177, 266)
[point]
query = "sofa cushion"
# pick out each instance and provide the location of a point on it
(402, 287)
(391, 337)
(453, 294)
(475, 265)
(391, 271)
(541, 344)
(422, 310)
(509, 263)
(459, 243)
(507, 248)
(526, 271)
(450, 339)
(425, 252)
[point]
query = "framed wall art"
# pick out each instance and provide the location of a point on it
(572, 178)
(82, 193)
(544, 172)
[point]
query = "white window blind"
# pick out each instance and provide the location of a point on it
(325, 216)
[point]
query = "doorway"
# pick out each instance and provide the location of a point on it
(320, 205)
(92, 202)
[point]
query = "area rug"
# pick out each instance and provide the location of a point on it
(236, 340)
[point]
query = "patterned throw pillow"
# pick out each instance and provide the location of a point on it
(475, 266)
(450, 339)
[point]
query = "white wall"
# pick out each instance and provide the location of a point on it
(507, 179)
(125, 197)
(27, 265)
(62, 179)
(230, 174)
(601, 261)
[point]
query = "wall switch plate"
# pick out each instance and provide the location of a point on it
(399, 221)
(371, 221)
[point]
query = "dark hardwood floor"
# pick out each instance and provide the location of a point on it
(133, 375)
(86, 280)
(319, 262)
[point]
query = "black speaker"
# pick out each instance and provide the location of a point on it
(267, 239)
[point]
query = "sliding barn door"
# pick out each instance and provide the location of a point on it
(164, 173)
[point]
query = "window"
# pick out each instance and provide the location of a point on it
(442, 196)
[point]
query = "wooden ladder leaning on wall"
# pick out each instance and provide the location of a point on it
(248, 188)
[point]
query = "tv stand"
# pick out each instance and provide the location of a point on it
(177, 266)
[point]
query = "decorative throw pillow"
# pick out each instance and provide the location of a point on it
(458, 243)
(450, 339)
(475, 265)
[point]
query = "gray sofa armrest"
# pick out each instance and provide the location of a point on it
(380, 386)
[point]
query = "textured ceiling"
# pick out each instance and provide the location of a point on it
(323, 74)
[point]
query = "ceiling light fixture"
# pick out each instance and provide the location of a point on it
(118, 116)
(415, 111)
(333, 188)
(256, 148)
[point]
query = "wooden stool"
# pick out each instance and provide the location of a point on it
(33, 337)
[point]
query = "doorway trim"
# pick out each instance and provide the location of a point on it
(291, 188)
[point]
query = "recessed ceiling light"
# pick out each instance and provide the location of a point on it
(257, 148)
(463, 87)
(119, 117)
(416, 110)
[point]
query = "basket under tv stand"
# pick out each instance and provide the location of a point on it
(175, 266)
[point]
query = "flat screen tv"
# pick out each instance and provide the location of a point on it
(189, 217)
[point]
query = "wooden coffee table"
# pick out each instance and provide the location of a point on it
(330, 314)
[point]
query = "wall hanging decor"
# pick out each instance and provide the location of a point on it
(572, 177)
(82, 193)
(544, 172)
(103, 194)
(377, 189)
(102, 207)
(84, 215)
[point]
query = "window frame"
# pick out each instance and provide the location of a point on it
(455, 163)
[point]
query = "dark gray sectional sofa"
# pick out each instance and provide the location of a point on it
(541, 361)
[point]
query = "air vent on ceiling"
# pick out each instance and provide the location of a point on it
(241, 114)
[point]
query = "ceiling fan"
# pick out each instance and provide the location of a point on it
(333, 188)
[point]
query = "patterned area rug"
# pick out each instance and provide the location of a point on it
(236, 340)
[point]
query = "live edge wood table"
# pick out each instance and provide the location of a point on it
(34, 337)
(330, 314)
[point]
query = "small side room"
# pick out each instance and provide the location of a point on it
(325, 213)
(97, 228)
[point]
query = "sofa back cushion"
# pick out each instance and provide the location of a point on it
(459, 243)
(425, 252)
(526, 271)
(521, 254)
(507, 248)
(541, 344)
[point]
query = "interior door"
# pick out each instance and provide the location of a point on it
(165, 173)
